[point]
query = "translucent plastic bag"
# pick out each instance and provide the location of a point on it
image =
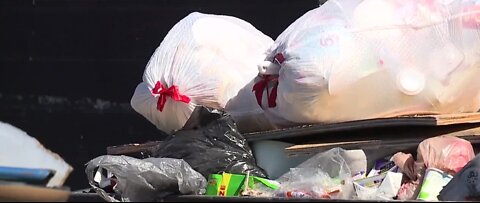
(354, 59)
(203, 60)
(326, 175)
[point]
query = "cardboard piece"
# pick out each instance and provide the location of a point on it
(136, 150)
(368, 144)
(28, 193)
(405, 121)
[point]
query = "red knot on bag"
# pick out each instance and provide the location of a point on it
(263, 83)
(260, 87)
(171, 92)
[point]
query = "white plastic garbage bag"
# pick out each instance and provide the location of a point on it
(353, 59)
(203, 60)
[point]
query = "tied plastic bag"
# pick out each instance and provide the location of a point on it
(391, 58)
(446, 153)
(204, 60)
(211, 144)
(143, 180)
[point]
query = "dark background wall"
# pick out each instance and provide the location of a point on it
(68, 68)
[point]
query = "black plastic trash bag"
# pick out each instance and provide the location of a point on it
(465, 185)
(127, 179)
(211, 143)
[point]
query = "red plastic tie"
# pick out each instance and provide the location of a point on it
(172, 92)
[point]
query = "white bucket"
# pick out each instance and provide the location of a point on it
(272, 157)
(433, 183)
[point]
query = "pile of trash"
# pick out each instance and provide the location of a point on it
(213, 159)
(214, 77)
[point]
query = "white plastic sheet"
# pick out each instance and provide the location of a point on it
(18, 149)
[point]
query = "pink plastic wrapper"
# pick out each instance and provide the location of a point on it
(447, 153)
